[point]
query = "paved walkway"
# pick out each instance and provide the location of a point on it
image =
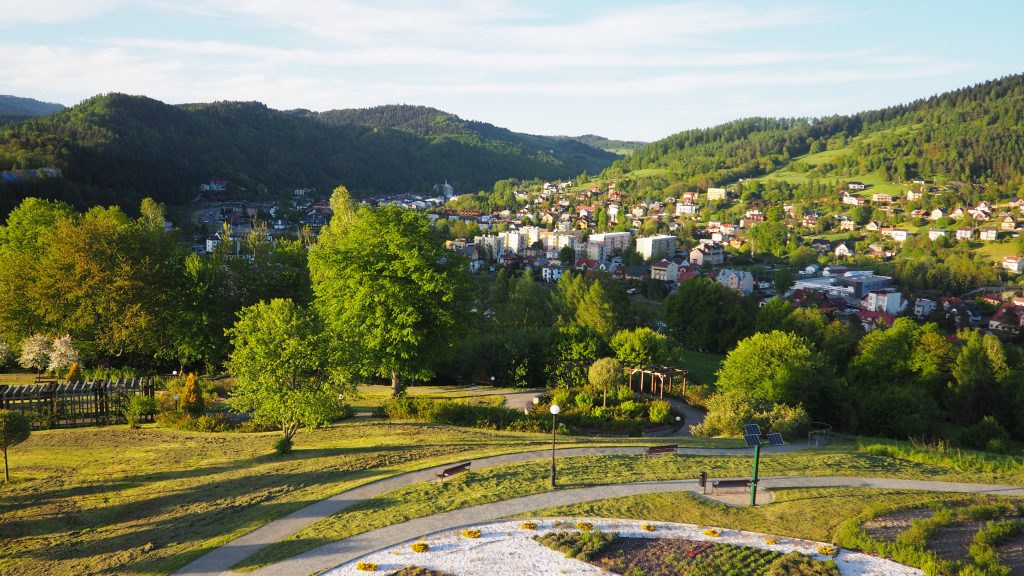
(221, 559)
(342, 551)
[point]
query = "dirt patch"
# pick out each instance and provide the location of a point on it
(887, 528)
(952, 542)
(1011, 554)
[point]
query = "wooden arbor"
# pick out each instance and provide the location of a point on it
(657, 378)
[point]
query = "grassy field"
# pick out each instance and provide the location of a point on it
(505, 482)
(701, 366)
(114, 500)
(995, 251)
(16, 378)
(371, 396)
(813, 514)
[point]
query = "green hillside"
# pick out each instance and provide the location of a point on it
(117, 149)
(620, 147)
(439, 126)
(17, 106)
(973, 134)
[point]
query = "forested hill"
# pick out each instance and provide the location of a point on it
(439, 126)
(15, 109)
(974, 134)
(119, 149)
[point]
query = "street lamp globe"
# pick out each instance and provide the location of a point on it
(555, 409)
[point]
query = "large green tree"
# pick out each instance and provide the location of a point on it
(281, 367)
(388, 292)
(703, 314)
(775, 367)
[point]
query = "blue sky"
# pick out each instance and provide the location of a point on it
(633, 70)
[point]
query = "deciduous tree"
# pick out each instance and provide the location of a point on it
(14, 429)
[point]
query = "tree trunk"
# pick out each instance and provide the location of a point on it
(396, 384)
(7, 473)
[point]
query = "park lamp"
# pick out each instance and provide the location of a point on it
(555, 409)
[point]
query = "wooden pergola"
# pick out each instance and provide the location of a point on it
(657, 378)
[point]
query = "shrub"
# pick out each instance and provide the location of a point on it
(698, 394)
(585, 526)
(471, 533)
(584, 401)
(771, 540)
(528, 525)
(72, 372)
(713, 532)
(631, 409)
(988, 432)
(184, 421)
(420, 547)
(283, 445)
(579, 545)
(136, 407)
(561, 396)
(367, 566)
(648, 527)
(659, 412)
(191, 399)
(35, 352)
(624, 393)
(790, 421)
(827, 550)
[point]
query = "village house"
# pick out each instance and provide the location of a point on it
(851, 200)
(923, 307)
(1008, 223)
(855, 185)
(843, 250)
(738, 280)
(913, 195)
(1013, 263)
(989, 234)
(964, 233)
(879, 198)
(716, 194)
(936, 233)
(889, 301)
(708, 253)
(664, 270)
(897, 234)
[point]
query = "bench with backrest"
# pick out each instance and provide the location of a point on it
(449, 472)
(655, 450)
(744, 484)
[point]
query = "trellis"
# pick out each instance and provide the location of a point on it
(77, 403)
(660, 380)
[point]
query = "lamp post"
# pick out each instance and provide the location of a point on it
(554, 417)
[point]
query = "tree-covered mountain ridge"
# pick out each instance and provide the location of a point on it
(973, 134)
(117, 149)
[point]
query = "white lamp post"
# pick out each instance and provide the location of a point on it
(555, 409)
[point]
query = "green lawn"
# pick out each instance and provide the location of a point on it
(515, 480)
(995, 251)
(16, 378)
(813, 514)
(371, 396)
(701, 366)
(94, 500)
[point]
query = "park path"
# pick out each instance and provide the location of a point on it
(219, 560)
(341, 551)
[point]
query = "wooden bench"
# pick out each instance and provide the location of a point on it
(449, 472)
(744, 483)
(655, 450)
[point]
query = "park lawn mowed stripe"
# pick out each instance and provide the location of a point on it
(150, 501)
(512, 481)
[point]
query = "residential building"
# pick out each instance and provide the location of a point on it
(889, 301)
(650, 247)
(964, 233)
(715, 194)
(843, 250)
(710, 253)
(989, 234)
(738, 280)
(612, 241)
(1014, 264)
(936, 233)
(923, 307)
(664, 270)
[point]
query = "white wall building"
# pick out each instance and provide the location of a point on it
(656, 246)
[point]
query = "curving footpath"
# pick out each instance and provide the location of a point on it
(219, 561)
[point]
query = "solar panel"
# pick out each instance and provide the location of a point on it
(751, 430)
(752, 440)
(775, 439)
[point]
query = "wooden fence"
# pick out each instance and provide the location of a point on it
(53, 404)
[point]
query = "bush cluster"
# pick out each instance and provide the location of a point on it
(461, 414)
(579, 545)
(367, 566)
(420, 547)
(729, 411)
(471, 533)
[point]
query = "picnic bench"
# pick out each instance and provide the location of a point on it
(449, 472)
(655, 450)
(743, 483)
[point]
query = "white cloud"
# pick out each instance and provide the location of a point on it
(17, 12)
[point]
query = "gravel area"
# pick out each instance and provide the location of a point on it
(505, 549)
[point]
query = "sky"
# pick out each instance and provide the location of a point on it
(638, 69)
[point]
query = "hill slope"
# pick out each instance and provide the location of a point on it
(118, 149)
(439, 126)
(17, 106)
(975, 134)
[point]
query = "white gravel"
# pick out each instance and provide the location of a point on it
(505, 549)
